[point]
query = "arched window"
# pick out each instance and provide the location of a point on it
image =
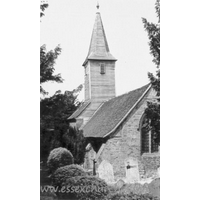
(148, 144)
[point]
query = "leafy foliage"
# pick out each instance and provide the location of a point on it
(56, 109)
(65, 136)
(153, 31)
(54, 128)
(130, 196)
(137, 191)
(47, 62)
(94, 188)
(76, 143)
(61, 174)
(44, 176)
(153, 108)
(42, 8)
(153, 113)
(49, 194)
(59, 157)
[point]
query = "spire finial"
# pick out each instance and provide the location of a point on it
(97, 5)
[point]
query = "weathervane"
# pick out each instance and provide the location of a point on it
(97, 5)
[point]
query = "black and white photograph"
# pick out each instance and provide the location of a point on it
(93, 130)
(100, 99)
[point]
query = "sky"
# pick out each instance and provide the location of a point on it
(70, 24)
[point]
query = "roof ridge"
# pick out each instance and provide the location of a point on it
(127, 93)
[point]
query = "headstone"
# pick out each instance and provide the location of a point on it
(89, 157)
(119, 184)
(154, 187)
(105, 171)
(132, 171)
(158, 172)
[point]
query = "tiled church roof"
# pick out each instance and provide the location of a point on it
(112, 112)
(79, 110)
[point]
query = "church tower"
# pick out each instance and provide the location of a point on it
(99, 66)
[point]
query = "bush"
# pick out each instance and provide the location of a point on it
(84, 187)
(48, 194)
(61, 174)
(130, 196)
(136, 188)
(44, 177)
(136, 191)
(59, 157)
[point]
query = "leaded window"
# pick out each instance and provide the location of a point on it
(148, 144)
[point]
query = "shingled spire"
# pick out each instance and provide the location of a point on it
(98, 49)
(99, 66)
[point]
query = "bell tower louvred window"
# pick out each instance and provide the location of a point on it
(102, 68)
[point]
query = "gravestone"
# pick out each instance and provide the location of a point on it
(154, 187)
(89, 157)
(105, 171)
(119, 184)
(132, 171)
(158, 172)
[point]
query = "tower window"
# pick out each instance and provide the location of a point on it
(148, 144)
(102, 68)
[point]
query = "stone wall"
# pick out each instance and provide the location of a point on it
(126, 143)
(150, 163)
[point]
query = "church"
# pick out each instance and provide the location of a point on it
(113, 124)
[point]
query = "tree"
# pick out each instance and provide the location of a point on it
(67, 137)
(54, 111)
(55, 130)
(74, 140)
(153, 108)
(47, 60)
(43, 6)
